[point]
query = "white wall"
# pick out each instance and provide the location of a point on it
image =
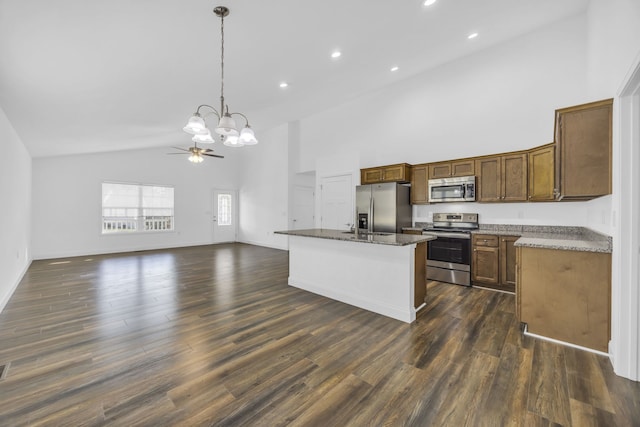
(613, 43)
(501, 99)
(67, 199)
(614, 51)
(565, 213)
(15, 215)
(264, 189)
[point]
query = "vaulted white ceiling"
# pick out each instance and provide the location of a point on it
(80, 76)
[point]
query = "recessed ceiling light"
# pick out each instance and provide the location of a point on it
(394, 68)
(336, 54)
(472, 36)
(284, 84)
(429, 2)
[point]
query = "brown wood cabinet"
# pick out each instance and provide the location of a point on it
(392, 173)
(412, 232)
(542, 174)
(452, 168)
(494, 261)
(419, 190)
(502, 178)
(583, 151)
(508, 262)
(565, 295)
(485, 260)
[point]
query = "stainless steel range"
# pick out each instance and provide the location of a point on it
(449, 256)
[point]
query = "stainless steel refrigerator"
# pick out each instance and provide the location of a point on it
(383, 207)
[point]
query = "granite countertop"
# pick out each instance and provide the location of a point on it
(549, 237)
(391, 239)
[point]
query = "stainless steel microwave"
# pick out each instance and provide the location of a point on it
(458, 189)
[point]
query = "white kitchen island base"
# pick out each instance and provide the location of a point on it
(376, 277)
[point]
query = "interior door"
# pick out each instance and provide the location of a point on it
(225, 216)
(303, 207)
(336, 200)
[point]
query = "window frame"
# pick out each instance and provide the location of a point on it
(139, 219)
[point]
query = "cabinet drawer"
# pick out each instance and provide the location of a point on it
(486, 240)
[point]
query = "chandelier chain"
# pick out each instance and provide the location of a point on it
(222, 65)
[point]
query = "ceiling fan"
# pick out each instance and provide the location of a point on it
(197, 153)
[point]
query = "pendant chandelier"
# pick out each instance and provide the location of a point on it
(226, 126)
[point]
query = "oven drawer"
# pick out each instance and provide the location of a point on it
(449, 276)
(486, 240)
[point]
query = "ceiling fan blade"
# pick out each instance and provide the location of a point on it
(206, 150)
(213, 155)
(178, 153)
(182, 149)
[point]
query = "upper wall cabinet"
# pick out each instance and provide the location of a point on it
(583, 150)
(419, 190)
(452, 168)
(391, 173)
(502, 178)
(542, 173)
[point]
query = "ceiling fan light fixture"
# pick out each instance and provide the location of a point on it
(247, 137)
(196, 125)
(204, 138)
(195, 158)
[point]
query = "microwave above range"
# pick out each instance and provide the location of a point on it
(457, 189)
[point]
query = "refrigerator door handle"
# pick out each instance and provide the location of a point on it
(371, 218)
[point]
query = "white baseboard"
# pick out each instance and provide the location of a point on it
(264, 244)
(568, 344)
(7, 297)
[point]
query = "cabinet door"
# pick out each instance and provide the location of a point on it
(396, 173)
(463, 168)
(370, 176)
(419, 191)
(542, 174)
(508, 262)
(489, 179)
(514, 178)
(439, 170)
(485, 265)
(565, 295)
(583, 137)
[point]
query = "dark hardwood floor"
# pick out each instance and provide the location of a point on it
(213, 335)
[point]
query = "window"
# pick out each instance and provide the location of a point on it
(136, 208)
(224, 209)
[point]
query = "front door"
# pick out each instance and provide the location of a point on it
(225, 216)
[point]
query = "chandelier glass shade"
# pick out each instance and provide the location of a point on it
(226, 126)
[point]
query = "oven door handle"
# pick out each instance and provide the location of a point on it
(452, 234)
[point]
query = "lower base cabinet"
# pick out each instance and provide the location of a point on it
(565, 295)
(494, 261)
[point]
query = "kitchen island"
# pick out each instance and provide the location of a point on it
(380, 272)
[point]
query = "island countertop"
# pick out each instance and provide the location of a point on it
(391, 239)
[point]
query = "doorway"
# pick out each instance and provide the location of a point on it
(336, 199)
(225, 216)
(625, 292)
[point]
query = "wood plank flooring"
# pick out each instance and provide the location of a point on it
(213, 336)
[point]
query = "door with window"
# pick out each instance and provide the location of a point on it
(225, 216)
